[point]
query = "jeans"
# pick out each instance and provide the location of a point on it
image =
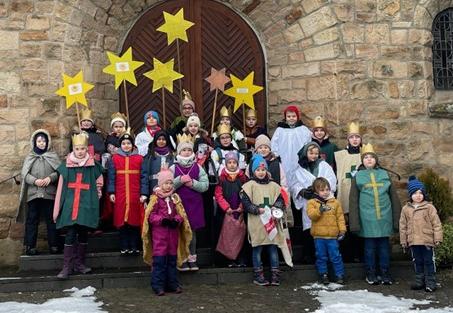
(129, 237)
(164, 273)
(36, 208)
(327, 249)
(273, 256)
(423, 258)
(381, 247)
(76, 233)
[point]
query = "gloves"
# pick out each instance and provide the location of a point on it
(185, 179)
(166, 222)
(341, 236)
(307, 193)
(173, 224)
(323, 208)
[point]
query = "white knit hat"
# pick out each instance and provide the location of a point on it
(193, 119)
(262, 140)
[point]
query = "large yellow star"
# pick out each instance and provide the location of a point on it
(175, 26)
(163, 75)
(243, 91)
(122, 67)
(74, 89)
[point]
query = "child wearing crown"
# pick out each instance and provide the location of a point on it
(190, 182)
(187, 110)
(124, 191)
(252, 131)
(237, 138)
(96, 145)
(225, 145)
(144, 138)
(202, 143)
(374, 211)
(118, 126)
(76, 207)
(321, 137)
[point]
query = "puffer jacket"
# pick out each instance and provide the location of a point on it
(328, 224)
(420, 225)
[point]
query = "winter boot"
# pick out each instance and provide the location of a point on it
(258, 277)
(371, 278)
(430, 283)
(324, 279)
(68, 254)
(275, 277)
(386, 279)
(419, 283)
(79, 259)
(193, 263)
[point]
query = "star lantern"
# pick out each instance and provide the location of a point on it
(122, 67)
(74, 89)
(243, 91)
(163, 75)
(175, 26)
(217, 79)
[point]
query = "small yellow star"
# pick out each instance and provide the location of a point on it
(74, 89)
(175, 26)
(243, 91)
(163, 75)
(122, 67)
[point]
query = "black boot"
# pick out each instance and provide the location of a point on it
(79, 259)
(67, 262)
(430, 283)
(419, 283)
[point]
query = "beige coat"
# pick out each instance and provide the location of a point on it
(420, 225)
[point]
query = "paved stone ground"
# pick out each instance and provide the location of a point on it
(236, 298)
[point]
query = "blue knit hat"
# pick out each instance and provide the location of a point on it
(258, 161)
(153, 114)
(413, 184)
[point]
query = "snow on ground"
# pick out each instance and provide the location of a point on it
(358, 301)
(79, 301)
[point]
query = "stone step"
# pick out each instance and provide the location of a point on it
(300, 274)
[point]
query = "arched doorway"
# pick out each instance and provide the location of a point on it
(220, 38)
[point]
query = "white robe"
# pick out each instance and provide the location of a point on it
(302, 179)
(142, 142)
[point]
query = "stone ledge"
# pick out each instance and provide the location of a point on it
(442, 110)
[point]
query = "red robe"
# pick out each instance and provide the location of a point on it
(127, 208)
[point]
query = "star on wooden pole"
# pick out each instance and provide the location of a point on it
(122, 67)
(243, 91)
(74, 89)
(163, 75)
(175, 26)
(217, 81)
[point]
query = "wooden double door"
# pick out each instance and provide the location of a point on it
(220, 38)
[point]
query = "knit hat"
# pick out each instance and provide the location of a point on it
(153, 114)
(127, 135)
(231, 155)
(262, 140)
(193, 119)
(292, 108)
(118, 117)
(413, 184)
(184, 144)
(187, 100)
(258, 161)
(163, 176)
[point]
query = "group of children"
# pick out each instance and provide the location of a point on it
(156, 185)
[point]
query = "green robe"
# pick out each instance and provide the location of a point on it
(87, 213)
(374, 205)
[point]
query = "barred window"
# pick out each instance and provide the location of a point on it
(443, 50)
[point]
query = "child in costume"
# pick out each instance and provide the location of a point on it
(310, 167)
(374, 211)
(167, 227)
(37, 192)
(252, 130)
(328, 227)
(124, 190)
(421, 231)
(289, 137)
(76, 206)
(224, 146)
(96, 145)
(237, 138)
(347, 162)
(159, 156)
(264, 205)
(202, 143)
(187, 109)
(227, 197)
(144, 138)
(321, 137)
(190, 182)
(112, 142)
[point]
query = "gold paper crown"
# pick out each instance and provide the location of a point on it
(80, 139)
(118, 116)
(353, 129)
(86, 114)
(224, 112)
(368, 148)
(184, 138)
(251, 113)
(187, 95)
(319, 122)
(223, 129)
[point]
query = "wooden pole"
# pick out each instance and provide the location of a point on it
(127, 103)
(163, 108)
(179, 71)
(78, 116)
(214, 111)
(243, 118)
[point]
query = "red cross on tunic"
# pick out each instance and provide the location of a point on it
(77, 186)
(126, 172)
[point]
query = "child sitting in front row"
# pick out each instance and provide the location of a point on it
(327, 228)
(421, 231)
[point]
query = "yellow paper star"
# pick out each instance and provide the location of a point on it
(74, 89)
(175, 26)
(122, 67)
(243, 91)
(163, 75)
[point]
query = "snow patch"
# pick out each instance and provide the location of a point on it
(318, 286)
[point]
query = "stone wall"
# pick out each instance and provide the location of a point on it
(367, 60)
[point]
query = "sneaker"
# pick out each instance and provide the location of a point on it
(371, 278)
(193, 266)
(160, 293)
(429, 289)
(233, 264)
(130, 252)
(31, 251)
(124, 252)
(54, 250)
(184, 267)
(340, 280)
(135, 252)
(386, 279)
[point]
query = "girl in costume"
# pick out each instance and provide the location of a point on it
(159, 156)
(224, 146)
(321, 137)
(187, 110)
(76, 207)
(374, 211)
(237, 138)
(37, 192)
(167, 227)
(144, 138)
(252, 131)
(202, 143)
(421, 232)
(190, 182)
(96, 145)
(124, 190)
(118, 126)
(261, 197)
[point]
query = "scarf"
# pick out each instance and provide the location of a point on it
(263, 181)
(162, 151)
(186, 161)
(162, 194)
(152, 131)
(80, 162)
(353, 150)
(232, 174)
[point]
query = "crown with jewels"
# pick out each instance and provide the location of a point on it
(319, 122)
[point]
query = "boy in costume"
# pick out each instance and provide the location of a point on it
(96, 145)
(237, 137)
(225, 145)
(321, 137)
(187, 109)
(252, 131)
